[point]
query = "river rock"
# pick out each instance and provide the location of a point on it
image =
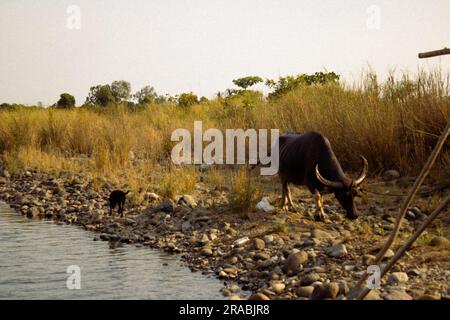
(429, 297)
(167, 206)
(389, 175)
(397, 277)
(304, 292)
(441, 242)
(33, 212)
(396, 294)
(186, 226)
(186, 200)
(325, 291)
(207, 252)
(259, 296)
(389, 254)
(294, 262)
(278, 287)
(343, 287)
(368, 259)
(371, 295)
(268, 238)
(337, 251)
(309, 279)
(151, 197)
(320, 234)
(259, 244)
(261, 256)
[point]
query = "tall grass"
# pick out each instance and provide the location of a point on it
(394, 124)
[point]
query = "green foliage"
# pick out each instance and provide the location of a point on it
(285, 84)
(203, 99)
(187, 99)
(100, 95)
(121, 90)
(66, 101)
(146, 95)
(246, 82)
(243, 98)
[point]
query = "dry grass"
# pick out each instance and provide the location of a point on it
(244, 192)
(393, 124)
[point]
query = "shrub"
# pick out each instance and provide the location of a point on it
(65, 101)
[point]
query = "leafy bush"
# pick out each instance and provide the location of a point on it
(187, 99)
(286, 84)
(65, 101)
(100, 95)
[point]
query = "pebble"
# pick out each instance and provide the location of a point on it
(389, 254)
(259, 244)
(309, 279)
(304, 292)
(440, 242)
(325, 291)
(278, 288)
(207, 252)
(368, 259)
(259, 296)
(268, 239)
(389, 175)
(294, 262)
(397, 278)
(337, 251)
(320, 234)
(397, 294)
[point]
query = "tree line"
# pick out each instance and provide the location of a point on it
(120, 91)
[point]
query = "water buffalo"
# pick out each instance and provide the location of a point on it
(308, 159)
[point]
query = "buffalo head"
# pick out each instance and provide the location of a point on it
(346, 191)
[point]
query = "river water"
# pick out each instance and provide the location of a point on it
(35, 255)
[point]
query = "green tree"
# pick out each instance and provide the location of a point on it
(66, 101)
(247, 82)
(286, 84)
(146, 95)
(203, 99)
(187, 99)
(121, 90)
(100, 95)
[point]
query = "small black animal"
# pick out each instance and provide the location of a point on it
(117, 197)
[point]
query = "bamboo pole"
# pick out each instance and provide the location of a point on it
(434, 53)
(400, 252)
(424, 172)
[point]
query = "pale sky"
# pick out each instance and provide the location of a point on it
(201, 45)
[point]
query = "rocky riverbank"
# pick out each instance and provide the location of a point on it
(272, 255)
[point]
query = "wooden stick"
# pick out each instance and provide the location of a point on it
(435, 53)
(410, 241)
(425, 170)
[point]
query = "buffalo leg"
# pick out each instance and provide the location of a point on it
(284, 196)
(291, 204)
(320, 215)
(286, 201)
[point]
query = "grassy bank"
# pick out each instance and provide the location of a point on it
(393, 124)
